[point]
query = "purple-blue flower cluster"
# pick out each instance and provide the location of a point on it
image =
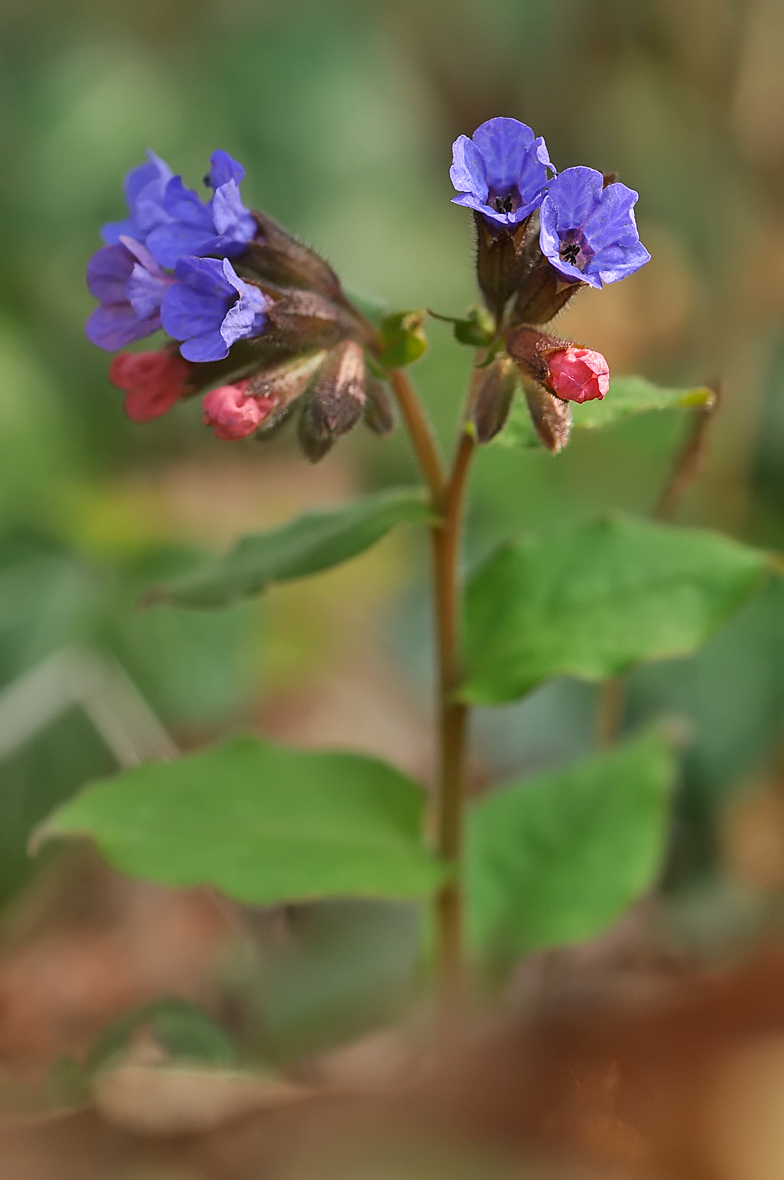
(169, 228)
(588, 233)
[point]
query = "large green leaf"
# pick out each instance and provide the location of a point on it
(313, 542)
(558, 858)
(595, 599)
(626, 396)
(261, 823)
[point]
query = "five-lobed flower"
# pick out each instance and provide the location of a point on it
(501, 171)
(588, 231)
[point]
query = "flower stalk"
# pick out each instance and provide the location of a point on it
(447, 496)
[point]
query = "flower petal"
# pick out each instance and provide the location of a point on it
(145, 291)
(186, 312)
(468, 172)
(210, 346)
(183, 204)
(224, 168)
(137, 179)
(617, 262)
(108, 272)
(576, 194)
(114, 327)
(613, 220)
(207, 275)
(504, 145)
(170, 242)
(230, 216)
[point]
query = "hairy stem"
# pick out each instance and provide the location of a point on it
(453, 716)
(421, 435)
(447, 496)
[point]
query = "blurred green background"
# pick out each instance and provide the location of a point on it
(343, 114)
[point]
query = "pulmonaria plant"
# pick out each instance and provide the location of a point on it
(259, 324)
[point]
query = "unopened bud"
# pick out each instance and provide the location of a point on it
(278, 257)
(501, 261)
(493, 398)
(569, 371)
(232, 412)
(284, 382)
(379, 415)
(304, 320)
(551, 417)
(336, 401)
(578, 374)
(153, 381)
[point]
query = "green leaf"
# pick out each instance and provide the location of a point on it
(595, 599)
(558, 858)
(403, 336)
(626, 396)
(261, 823)
(313, 542)
(635, 395)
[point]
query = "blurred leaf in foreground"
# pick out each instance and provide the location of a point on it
(558, 858)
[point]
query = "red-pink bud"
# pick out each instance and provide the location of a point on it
(578, 374)
(152, 381)
(232, 413)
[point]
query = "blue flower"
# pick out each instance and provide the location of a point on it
(501, 172)
(145, 187)
(130, 286)
(588, 233)
(220, 226)
(209, 308)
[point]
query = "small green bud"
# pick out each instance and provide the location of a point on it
(403, 338)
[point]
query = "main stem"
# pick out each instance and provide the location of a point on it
(453, 716)
(447, 497)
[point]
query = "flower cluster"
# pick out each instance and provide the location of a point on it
(253, 312)
(541, 237)
(260, 322)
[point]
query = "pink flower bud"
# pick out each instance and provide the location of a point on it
(578, 374)
(232, 413)
(152, 381)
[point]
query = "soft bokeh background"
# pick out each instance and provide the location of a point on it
(343, 114)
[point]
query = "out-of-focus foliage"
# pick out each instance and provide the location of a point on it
(307, 545)
(189, 666)
(556, 859)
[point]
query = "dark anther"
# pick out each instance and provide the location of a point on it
(206, 180)
(504, 205)
(570, 252)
